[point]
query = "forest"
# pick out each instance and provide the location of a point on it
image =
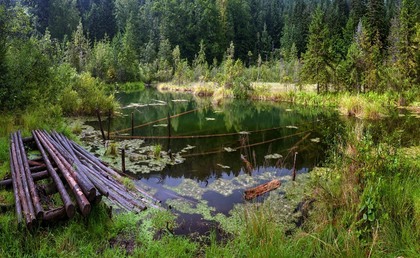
(355, 46)
(208, 99)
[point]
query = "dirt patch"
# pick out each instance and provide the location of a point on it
(124, 241)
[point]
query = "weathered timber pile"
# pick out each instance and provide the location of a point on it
(80, 178)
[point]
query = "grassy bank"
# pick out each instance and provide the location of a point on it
(365, 201)
(370, 105)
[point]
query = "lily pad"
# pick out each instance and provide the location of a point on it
(160, 125)
(316, 140)
(273, 156)
(134, 105)
(223, 166)
(189, 147)
(229, 149)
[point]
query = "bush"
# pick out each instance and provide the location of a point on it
(84, 95)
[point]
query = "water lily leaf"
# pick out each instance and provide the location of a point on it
(134, 105)
(273, 156)
(161, 125)
(189, 147)
(223, 166)
(315, 140)
(229, 149)
(159, 101)
(157, 104)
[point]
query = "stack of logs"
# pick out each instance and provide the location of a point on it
(76, 175)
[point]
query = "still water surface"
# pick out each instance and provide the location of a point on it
(229, 143)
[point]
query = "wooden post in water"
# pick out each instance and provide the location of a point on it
(132, 123)
(123, 159)
(294, 168)
(109, 122)
(169, 125)
(100, 124)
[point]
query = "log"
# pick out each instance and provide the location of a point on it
(262, 189)
(74, 166)
(35, 176)
(39, 211)
(38, 168)
(34, 163)
(55, 214)
(25, 200)
(89, 158)
(81, 199)
(65, 197)
(27, 139)
(18, 206)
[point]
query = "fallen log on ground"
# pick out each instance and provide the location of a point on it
(39, 211)
(72, 172)
(22, 186)
(18, 206)
(262, 189)
(82, 201)
(65, 197)
(35, 176)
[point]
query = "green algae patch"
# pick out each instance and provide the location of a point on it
(284, 202)
(139, 158)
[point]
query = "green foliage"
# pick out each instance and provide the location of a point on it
(317, 58)
(156, 151)
(63, 18)
(112, 149)
(78, 49)
(83, 94)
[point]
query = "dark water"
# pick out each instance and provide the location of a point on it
(273, 128)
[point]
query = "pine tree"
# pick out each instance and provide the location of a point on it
(200, 65)
(317, 58)
(295, 29)
(376, 19)
(3, 65)
(63, 18)
(407, 47)
(78, 50)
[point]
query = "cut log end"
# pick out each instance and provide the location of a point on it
(70, 211)
(86, 210)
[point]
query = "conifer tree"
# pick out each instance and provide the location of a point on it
(407, 47)
(3, 65)
(317, 58)
(78, 50)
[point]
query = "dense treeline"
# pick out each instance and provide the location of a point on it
(354, 45)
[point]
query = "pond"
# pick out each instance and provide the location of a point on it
(221, 150)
